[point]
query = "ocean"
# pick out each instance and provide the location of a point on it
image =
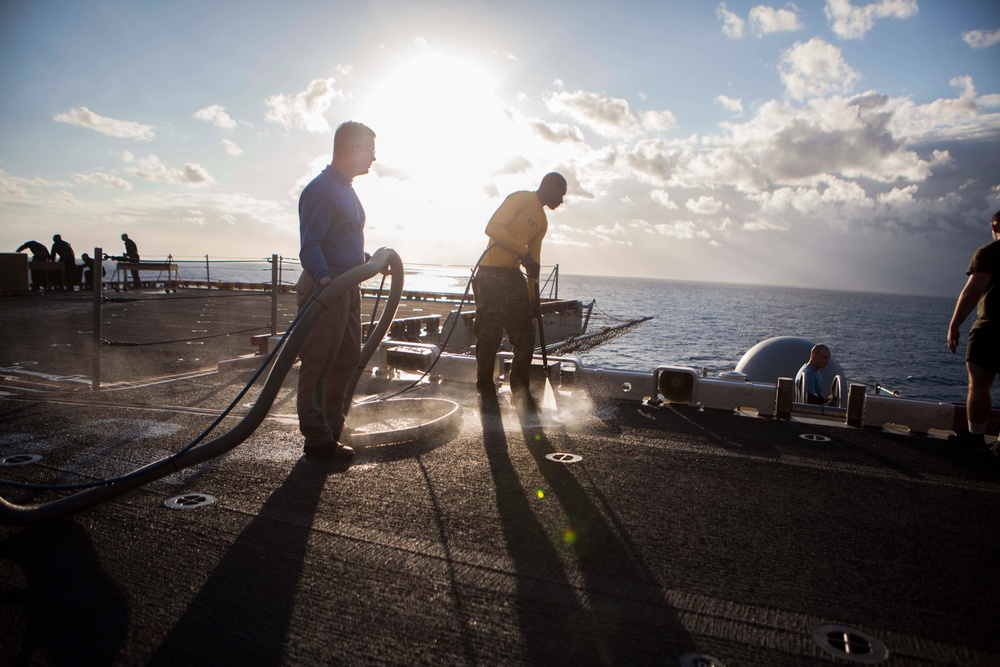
(898, 341)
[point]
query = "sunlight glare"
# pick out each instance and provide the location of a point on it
(440, 121)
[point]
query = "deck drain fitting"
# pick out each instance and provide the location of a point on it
(814, 437)
(20, 459)
(700, 660)
(850, 644)
(189, 501)
(563, 457)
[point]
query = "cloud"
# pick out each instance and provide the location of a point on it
(150, 168)
(961, 117)
(124, 129)
(196, 218)
(732, 25)
(981, 39)
(516, 165)
(847, 136)
(557, 133)
(103, 180)
(662, 197)
(682, 230)
(216, 114)
(657, 121)
(559, 239)
(850, 22)
(815, 68)
(729, 103)
(762, 20)
(231, 147)
(608, 116)
(616, 234)
(844, 206)
(705, 205)
(765, 20)
(11, 187)
(865, 136)
(304, 111)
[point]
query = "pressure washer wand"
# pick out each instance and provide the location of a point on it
(541, 329)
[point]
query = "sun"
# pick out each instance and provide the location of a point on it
(443, 132)
(438, 113)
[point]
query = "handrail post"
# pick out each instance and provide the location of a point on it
(274, 295)
(97, 284)
(208, 274)
(586, 320)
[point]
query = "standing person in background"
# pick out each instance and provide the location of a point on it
(982, 353)
(64, 252)
(132, 255)
(332, 233)
(504, 299)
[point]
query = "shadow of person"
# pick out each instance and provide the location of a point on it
(70, 607)
(628, 618)
(243, 611)
(546, 603)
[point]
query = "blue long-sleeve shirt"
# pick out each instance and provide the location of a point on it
(331, 226)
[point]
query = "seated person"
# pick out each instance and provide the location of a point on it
(88, 270)
(809, 380)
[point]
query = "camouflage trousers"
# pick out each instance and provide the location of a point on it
(502, 304)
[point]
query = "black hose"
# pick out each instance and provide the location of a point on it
(458, 315)
(13, 514)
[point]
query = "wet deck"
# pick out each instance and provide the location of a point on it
(677, 532)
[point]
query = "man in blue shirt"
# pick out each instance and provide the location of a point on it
(331, 229)
(809, 379)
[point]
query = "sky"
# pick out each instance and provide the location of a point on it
(835, 144)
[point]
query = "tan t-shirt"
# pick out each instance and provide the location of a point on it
(516, 228)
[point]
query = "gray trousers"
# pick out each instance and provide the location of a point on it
(329, 358)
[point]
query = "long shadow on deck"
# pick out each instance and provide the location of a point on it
(242, 613)
(71, 610)
(617, 614)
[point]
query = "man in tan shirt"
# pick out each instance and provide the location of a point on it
(504, 299)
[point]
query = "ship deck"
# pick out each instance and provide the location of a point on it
(670, 534)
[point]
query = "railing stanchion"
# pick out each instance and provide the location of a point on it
(208, 274)
(97, 284)
(274, 295)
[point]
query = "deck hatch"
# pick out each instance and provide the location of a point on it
(189, 501)
(850, 644)
(563, 457)
(20, 459)
(814, 437)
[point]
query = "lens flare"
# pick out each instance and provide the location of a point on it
(569, 535)
(539, 493)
